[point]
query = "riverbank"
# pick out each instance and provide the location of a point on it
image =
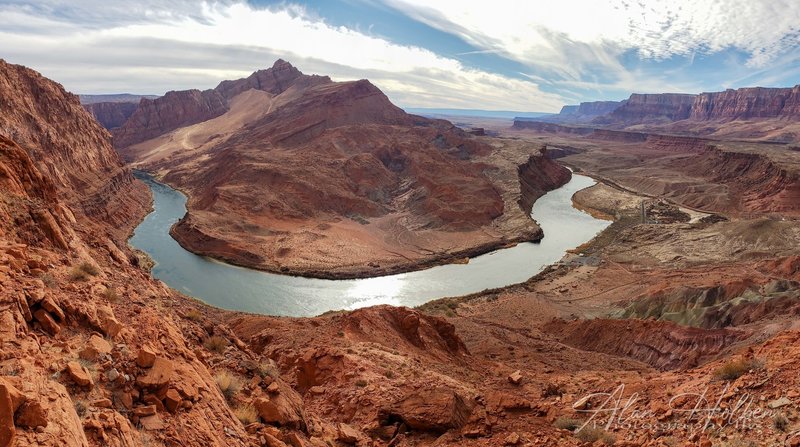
(329, 247)
(236, 288)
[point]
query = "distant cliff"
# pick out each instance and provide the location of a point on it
(645, 108)
(747, 103)
(585, 112)
(663, 108)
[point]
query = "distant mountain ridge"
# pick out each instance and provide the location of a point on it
(762, 113)
(509, 114)
(114, 97)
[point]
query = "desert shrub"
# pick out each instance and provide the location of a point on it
(594, 434)
(111, 295)
(193, 315)
(246, 414)
(565, 423)
(80, 407)
(77, 274)
(780, 422)
(216, 344)
(228, 383)
(83, 271)
(49, 280)
(389, 374)
(736, 368)
(267, 369)
(89, 268)
(361, 383)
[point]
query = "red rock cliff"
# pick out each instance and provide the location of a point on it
(68, 147)
(643, 108)
(747, 103)
(539, 175)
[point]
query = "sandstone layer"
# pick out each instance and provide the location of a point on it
(298, 174)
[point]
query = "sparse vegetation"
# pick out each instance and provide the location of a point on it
(268, 369)
(361, 383)
(246, 414)
(780, 422)
(193, 315)
(228, 383)
(83, 271)
(736, 368)
(594, 434)
(111, 295)
(738, 442)
(565, 423)
(49, 280)
(216, 344)
(389, 374)
(80, 407)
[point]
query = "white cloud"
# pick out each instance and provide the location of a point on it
(147, 48)
(578, 40)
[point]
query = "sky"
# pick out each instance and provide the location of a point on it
(523, 55)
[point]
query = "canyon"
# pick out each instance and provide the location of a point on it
(699, 297)
(298, 174)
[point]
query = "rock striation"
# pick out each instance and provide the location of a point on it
(649, 108)
(747, 103)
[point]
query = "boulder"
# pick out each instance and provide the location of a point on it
(78, 374)
(146, 357)
(512, 439)
(779, 403)
(32, 414)
(147, 410)
(7, 430)
(95, 348)
(272, 441)
(347, 434)
(284, 409)
(108, 322)
(436, 410)
(54, 309)
(102, 403)
(515, 377)
(48, 323)
(159, 374)
(172, 400)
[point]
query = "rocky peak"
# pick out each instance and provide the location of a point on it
(178, 109)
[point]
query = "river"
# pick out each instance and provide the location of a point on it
(236, 288)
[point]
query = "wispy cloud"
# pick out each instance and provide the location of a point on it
(152, 46)
(587, 41)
